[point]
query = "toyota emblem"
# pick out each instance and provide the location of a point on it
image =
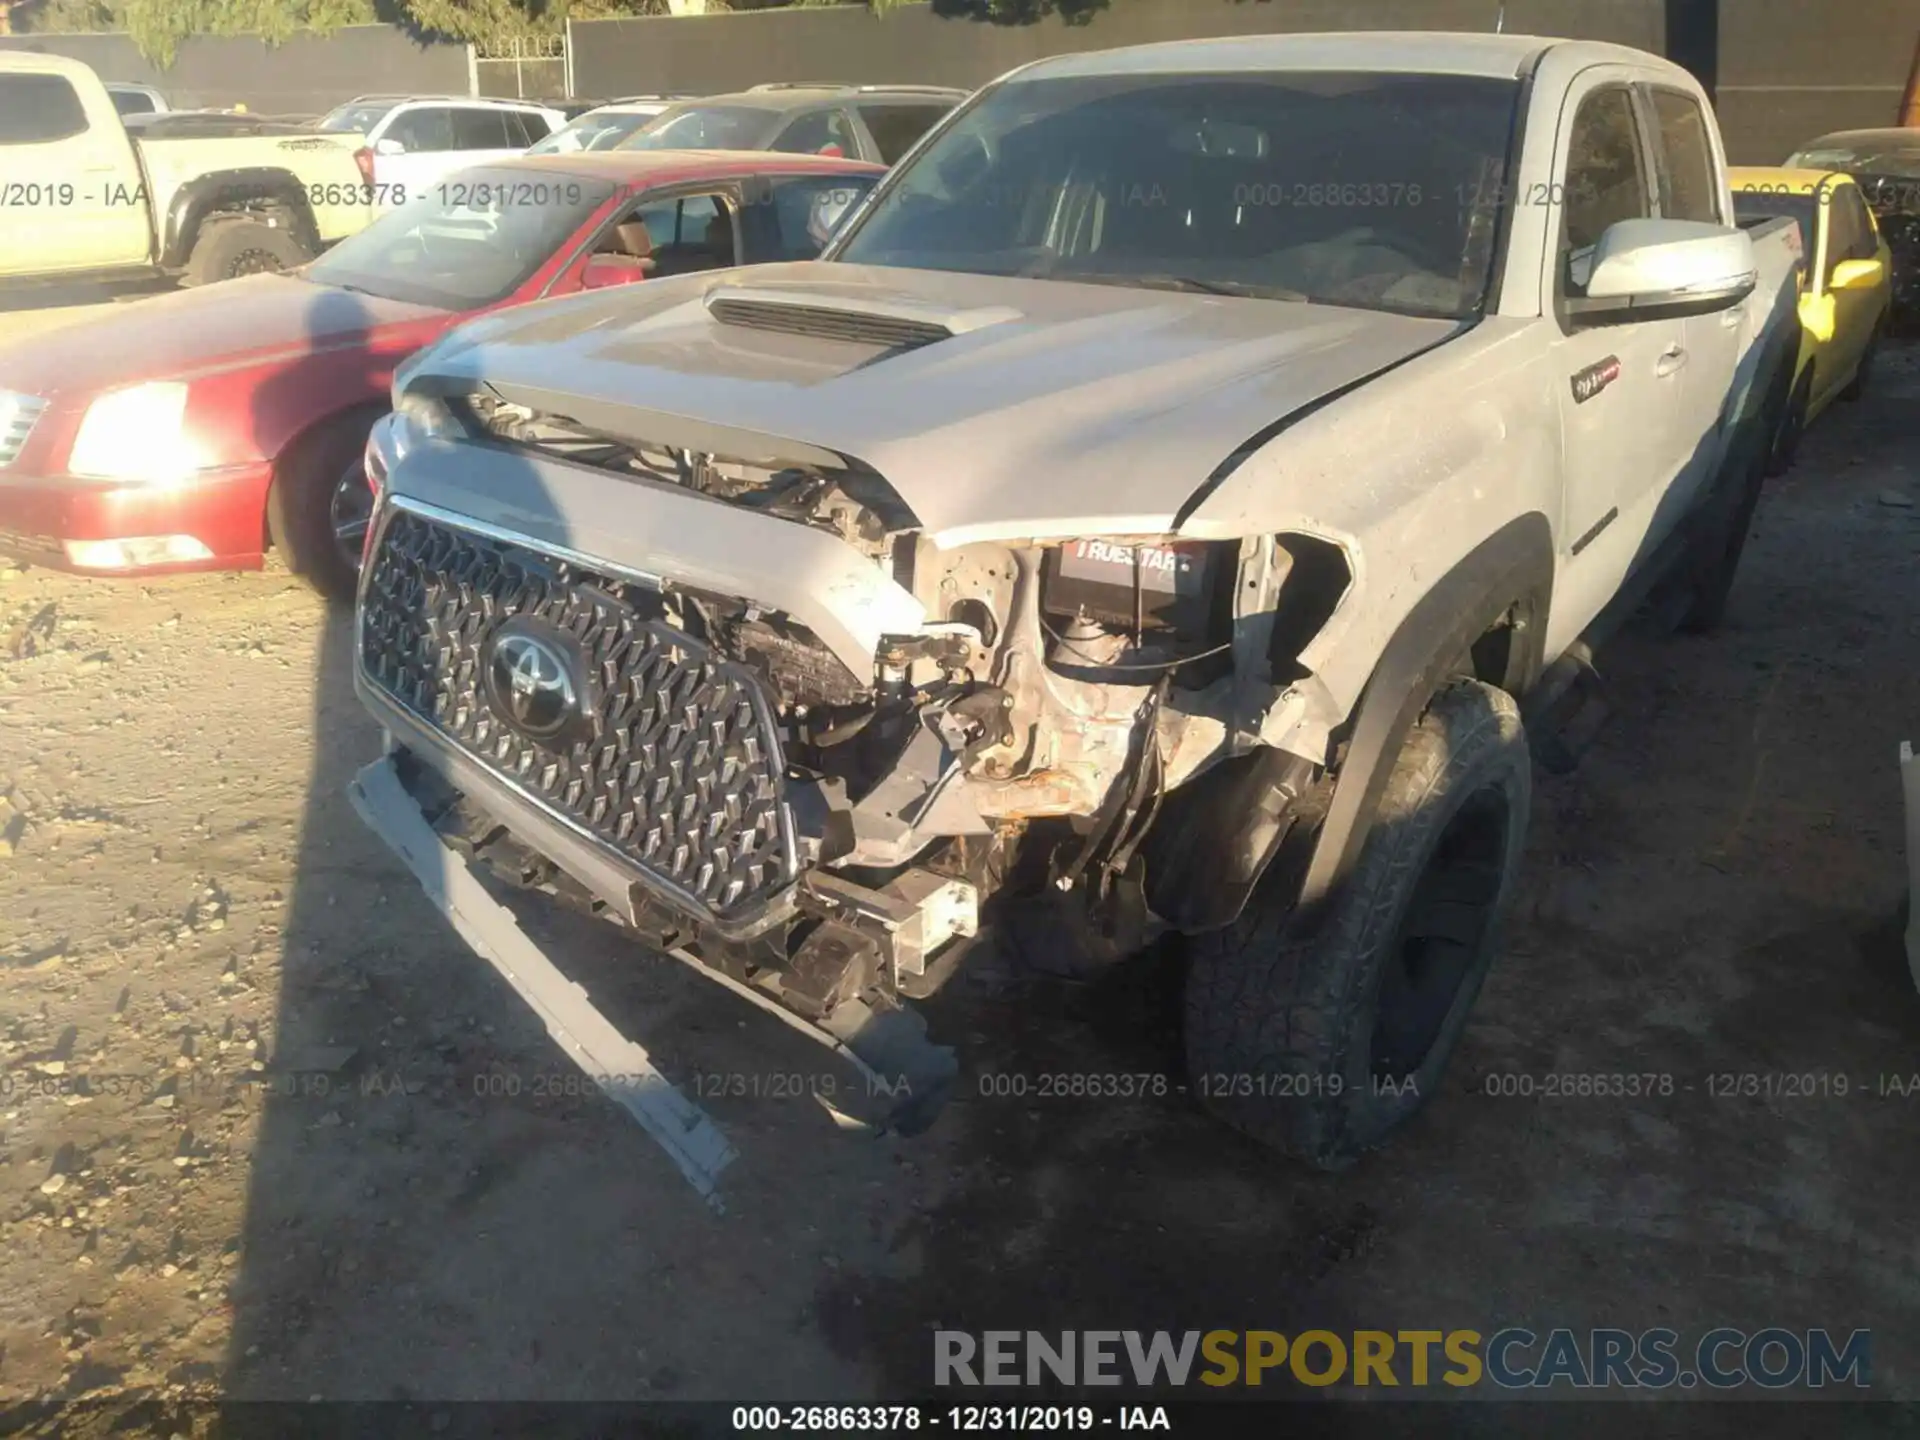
(531, 680)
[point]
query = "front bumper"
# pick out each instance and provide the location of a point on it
(894, 1078)
(215, 519)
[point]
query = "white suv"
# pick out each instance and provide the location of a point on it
(413, 141)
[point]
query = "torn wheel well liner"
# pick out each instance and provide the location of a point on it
(1502, 584)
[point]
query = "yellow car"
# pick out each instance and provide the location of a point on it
(1846, 283)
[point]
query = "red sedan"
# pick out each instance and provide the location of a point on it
(192, 430)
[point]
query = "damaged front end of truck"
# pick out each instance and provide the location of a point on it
(732, 693)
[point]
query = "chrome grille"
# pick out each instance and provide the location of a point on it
(17, 416)
(683, 776)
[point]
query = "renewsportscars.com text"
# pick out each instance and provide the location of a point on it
(1513, 1358)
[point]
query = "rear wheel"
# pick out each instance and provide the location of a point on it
(1323, 1047)
(318, 508)
(228, 248)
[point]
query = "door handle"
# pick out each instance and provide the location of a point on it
(1671, 359)
(1730, 318)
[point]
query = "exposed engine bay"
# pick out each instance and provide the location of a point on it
(1020, 743)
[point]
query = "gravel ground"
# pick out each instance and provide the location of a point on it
(267, 1129)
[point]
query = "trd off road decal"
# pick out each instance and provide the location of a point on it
(1591, 381)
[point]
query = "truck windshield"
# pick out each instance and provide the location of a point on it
(1369, 190)
(472, 240)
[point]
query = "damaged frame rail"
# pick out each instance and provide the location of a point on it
(887, 1052)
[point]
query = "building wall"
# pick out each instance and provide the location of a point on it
(306, 74)
(912, 45)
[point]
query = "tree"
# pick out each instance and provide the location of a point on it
(1019, 12)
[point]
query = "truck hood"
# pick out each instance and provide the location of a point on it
(1054, 408)
(185, 333)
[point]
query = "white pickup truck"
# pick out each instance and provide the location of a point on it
(1184, 488)
(82, 198)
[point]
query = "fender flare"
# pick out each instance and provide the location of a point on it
(1509, 572)
(206, 195)
(1274, 811)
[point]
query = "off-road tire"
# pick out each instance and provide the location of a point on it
(1284, 1035)
(300, 502)
(227, 248)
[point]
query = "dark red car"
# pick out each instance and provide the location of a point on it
(192, 430)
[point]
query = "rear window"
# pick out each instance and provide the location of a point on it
(131, 102)
(354, 119)
(35, 109)
(1761, 202)
(896, 127)
(706, 127)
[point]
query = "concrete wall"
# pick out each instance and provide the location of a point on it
(912, 45)
(1792, 69)
(306, 74)
(1786, 70)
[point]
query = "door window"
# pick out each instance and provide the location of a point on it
(1606, 176)
(689, 232)
(822, 132)
(1866, 240)
(1683, 155)
(478, 129)
(131, 102)
(794, 216)
(35, 109)
(428, 128)
(895, 127)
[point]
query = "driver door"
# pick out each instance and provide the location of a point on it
(1618, 384)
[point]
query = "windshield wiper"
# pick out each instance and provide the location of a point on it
(1192, 284)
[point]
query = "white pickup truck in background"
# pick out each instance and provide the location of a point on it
(82, 198)
(1174, 502)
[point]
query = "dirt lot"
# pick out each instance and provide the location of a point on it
(188, 904)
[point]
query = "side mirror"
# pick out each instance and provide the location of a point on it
(1665, 269)
(1817, 316)
(604, 270)
(1856, 275)
(388, 147)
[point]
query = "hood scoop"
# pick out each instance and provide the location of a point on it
(892, 325)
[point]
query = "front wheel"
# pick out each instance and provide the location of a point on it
(318, 508)
(1323, 1047)
(228, 248)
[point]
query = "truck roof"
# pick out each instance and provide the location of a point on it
(1424, 52)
